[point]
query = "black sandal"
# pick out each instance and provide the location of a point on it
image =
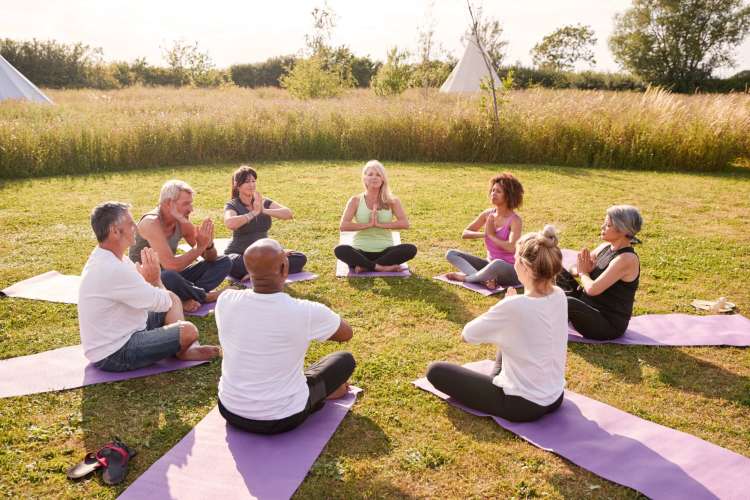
(114, 457)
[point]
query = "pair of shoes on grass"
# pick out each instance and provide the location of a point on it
(112, 458)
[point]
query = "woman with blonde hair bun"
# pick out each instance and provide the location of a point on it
(371, 214)
(531, 335)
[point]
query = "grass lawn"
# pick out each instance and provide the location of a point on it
(397, 441)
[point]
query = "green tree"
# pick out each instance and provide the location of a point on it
(679, 43)
(564, 47)
(309, 79)
(393, 77)
(189, 65)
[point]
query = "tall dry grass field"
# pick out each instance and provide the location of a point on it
(91, 131)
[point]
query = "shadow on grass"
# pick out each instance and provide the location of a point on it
(421, 289)
(149, 414)
(675, 368)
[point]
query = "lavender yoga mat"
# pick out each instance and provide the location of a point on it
(659, 462)
(216, 460)
(67, 368)
(292, 278)
(474, 287)
(50, 286)
(680, 330)
(343, 271)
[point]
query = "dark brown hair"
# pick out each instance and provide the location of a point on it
(239, 177)
(512, 189)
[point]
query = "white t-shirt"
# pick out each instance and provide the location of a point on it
(113, 303)
(265, 338)
(532, 334)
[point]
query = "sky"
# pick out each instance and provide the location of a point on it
(248, 31)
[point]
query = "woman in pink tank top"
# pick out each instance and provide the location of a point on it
(500, 227)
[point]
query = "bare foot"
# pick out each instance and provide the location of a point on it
(491, 284)
(200, 352)
(387, 269)
(456, 276)
(190, 305)
(213, 295)
(510, 291)
(342, 391)
(359, 269)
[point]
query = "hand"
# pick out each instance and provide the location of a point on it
(257, 203)
(489, 225)
(205, 234)
(374, 215)
(149, 266)
(584, 262)
(510, 291)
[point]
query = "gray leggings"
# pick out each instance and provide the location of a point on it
(478, 270)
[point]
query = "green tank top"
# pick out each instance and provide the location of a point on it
(372, 239)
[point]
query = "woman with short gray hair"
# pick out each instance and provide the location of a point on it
(601, 306)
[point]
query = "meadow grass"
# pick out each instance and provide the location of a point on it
(98, 131)
(397, 441)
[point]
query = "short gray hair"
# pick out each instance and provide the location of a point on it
(172, 189)
(105, 215)
(626, 219)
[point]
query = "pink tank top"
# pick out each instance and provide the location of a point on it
(494, 251)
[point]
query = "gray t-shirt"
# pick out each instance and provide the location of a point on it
(248, 233)
(141, 242)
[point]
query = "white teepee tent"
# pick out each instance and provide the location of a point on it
(13, 85)
(469, 72)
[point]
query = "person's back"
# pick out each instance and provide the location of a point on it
(265, 338)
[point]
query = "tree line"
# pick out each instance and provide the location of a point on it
(676, 45)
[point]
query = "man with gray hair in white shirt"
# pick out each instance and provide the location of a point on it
(127, 318)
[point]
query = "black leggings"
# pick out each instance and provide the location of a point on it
(297, 261)
(323, 378)
(477, 391)
(585, 318)
(397, 254)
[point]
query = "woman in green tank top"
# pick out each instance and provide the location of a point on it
(371, 214)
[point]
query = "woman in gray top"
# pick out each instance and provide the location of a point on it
(248, 215)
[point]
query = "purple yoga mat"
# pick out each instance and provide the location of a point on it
(680, 330)
(50, 286)
(659, 462)
(292, 278)
(67, 368)
(203, 311)
(216, 460)
(474, 287)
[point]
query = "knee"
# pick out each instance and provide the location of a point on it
(410, 250)
(223, 263)
(170, 278)
(188, 333)
(341, 251)
(451, 254)
(435, 372)
(347, 361)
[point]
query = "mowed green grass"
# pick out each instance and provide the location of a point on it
(397, 441)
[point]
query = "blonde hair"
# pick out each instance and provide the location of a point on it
(385, 196)
(172, 189)
(540, 253)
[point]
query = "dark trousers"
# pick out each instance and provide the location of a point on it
(585, 318)
(397, 254)
(323, 378)
(297, 261)
(195, 280)
(477, 391)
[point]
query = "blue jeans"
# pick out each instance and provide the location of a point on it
(195, 280)
(145, 347)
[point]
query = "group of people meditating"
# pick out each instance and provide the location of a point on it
(131, 310)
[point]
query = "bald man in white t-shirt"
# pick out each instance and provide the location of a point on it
(264, 334)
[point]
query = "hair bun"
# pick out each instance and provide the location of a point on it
(548, 236)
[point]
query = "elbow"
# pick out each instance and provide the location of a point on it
(289, 215)
(592, 291)
(405, 225)
(171, 265)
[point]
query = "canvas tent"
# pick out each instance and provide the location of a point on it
(469, 72)
(13, 85)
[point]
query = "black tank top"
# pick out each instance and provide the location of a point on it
(616, 302)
